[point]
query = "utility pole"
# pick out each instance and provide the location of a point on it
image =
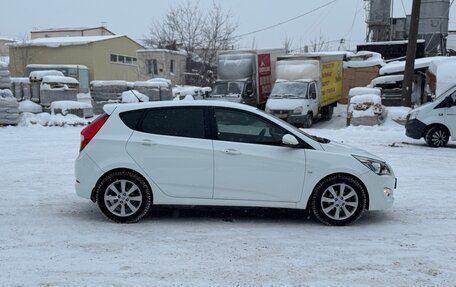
(411, 54)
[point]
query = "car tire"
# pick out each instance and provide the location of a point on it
(437, 137)
(338, 200)
(124, 197)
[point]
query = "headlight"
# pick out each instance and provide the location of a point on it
(413, 115)
(377, 166)
(298, 110)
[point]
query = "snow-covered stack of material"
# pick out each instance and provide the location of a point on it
(107, 90)
(21, 88)
(5, 81)
(155, 90)
(365, 110)
(28, 106)
(82, 110)
(133, 96)
(9, 108)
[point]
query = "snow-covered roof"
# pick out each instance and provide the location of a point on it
(2, 38)
(363, 59)
(54, 42)
(55, 66)
(38, 75)
(59, 79)
(444, 71)
(392, 79)
(182, 53)
(399, 66)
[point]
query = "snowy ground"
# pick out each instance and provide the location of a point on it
(50, 237)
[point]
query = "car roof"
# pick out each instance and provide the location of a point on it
(110, 108)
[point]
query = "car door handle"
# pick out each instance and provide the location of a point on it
(147, 142)
(232, 151)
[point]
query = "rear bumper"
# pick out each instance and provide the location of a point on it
(414, 128)
(87, 173)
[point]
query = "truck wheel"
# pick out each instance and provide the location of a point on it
(327, 113)
(437, 137)
(308, 121)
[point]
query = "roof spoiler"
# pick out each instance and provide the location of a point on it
(109, 108)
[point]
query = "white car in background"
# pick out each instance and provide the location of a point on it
(222, 154)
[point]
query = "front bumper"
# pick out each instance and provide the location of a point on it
(381, 190)
(414, 128)
(287, 115)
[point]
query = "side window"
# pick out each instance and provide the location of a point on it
(131, 118)
(238, 126)
(312, 91)
(178, 122)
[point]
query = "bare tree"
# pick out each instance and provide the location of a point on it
(318, 45)
(198, 33)
(287, 43)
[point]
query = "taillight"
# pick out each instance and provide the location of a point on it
(91, 130)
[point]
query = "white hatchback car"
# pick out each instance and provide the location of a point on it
(222, 154)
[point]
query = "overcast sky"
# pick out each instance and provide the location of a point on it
(341, 19)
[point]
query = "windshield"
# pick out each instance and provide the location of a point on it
(228, 88)
(289, 89)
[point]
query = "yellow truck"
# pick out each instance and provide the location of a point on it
(307, 86)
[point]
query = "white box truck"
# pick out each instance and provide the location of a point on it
(245, 76)
(307, 85)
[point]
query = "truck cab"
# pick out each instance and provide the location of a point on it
(239, 91)
(434, 121)
(294, 101)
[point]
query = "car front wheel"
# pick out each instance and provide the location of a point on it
(437, 137)
(124, 197)
(338, 200)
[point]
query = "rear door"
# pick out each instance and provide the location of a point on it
(250, 162)
(451, 117)
(171, 145)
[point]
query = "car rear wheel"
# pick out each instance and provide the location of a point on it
(338, 200)
(124, 196)
(437, 137)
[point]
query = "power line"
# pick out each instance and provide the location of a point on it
(286, 21)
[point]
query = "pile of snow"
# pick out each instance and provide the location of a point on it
(132, 96)
(392, 79)
(161, 80)
(64, 106)
(39, 75)
(445, 75)
(98, 83)
(46, 119)
(363, 59)
(368, 105)
(60, 79)
(190, 90)
(84, 98)
(363, 91)
(398, 114)
(23, 80)
(28, 106)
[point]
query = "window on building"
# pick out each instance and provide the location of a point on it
(154, 61)
(128, 60)
(171, 66)
(121, 59)
(113, 58)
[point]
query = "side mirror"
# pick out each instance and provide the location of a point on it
(289, 140)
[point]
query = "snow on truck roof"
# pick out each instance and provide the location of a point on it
(38, 75)
(399, 66)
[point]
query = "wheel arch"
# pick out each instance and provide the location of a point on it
(93, 195)
(430, 126)
(340, 174)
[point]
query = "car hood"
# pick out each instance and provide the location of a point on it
(336, 147)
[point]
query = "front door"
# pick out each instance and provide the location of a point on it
(250, 163)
